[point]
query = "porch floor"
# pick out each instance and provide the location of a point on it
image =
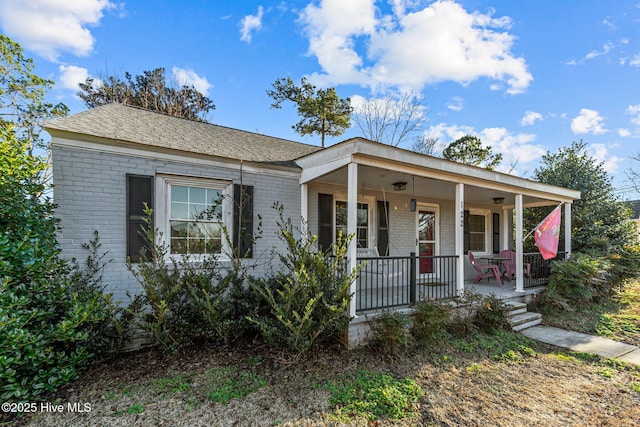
(398, 297)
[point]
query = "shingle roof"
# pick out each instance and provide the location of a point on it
(131, 124)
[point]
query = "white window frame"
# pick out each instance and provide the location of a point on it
(371, 227)
(163, 210)
(487, 229)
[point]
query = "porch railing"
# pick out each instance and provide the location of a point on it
(540, 269)
(395, 281)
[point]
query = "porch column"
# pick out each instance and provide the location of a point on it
(505, 229)
(459, 237)
(567, 228)
(304, 210)
(519, 245)
(352, 219)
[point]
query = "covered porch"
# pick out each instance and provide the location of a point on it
(415, 217)
(392, 282)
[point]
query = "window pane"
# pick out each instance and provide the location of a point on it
(196, 246)
(178, 246)
(213, 246)
(476, 242)
(426, 225)
(178, 228)
(363, 214)
(197, 195)
(208, 230)
(362, 237)
(179, 193)
(476, 223)
(179, 210)
(213, 196)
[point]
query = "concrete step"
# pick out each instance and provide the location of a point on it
(516, 308)
(525, 320)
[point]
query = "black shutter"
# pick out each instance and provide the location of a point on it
(139, 192)
(325, 221)
(383, 228)
(496, 233)
(467, 231)
(243, 220)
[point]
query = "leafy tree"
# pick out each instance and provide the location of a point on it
(22, 95)
(149, 91)
(470, 151)
(321, 110)
(390, 119)
(599, 220)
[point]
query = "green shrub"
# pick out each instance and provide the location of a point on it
(389, 332)
(625, 264)
(492, 314)
(581, 278)
(309, 297)
(429, 320)
(462, 321)
(54, 316)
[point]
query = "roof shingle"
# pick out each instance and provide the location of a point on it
(136, 125)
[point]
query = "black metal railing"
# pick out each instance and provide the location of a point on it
(540, 269)
(385, 282)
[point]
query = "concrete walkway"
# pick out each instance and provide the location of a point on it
(583, 343)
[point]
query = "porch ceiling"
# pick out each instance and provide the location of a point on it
(379, 166)
(375, 179)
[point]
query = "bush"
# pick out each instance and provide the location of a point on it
(53, 314)
(492, 314)
(429, 321)
(309, 297)
(389, 332)
(581, 278)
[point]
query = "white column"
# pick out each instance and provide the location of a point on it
(352, 219)
(519, 245)
(505, 231)
(567, 228)
(304, 210)
(459, 236)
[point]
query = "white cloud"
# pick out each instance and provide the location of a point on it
(595, 53)
(624, 133)
(249, 24)
(456, 104)
(530, 118)
(515, 147)
(610, 163)
(589, 121)
(634, 112)
(186, 77)
(355, 44)
(49, 27)
(71, 76)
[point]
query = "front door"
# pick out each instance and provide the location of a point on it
(427, 240)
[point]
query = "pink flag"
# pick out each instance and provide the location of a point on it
(547, 234)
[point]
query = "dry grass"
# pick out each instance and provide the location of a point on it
(545, 388)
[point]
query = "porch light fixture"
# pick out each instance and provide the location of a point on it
(413, 205)
(498, 200)
(399, 186)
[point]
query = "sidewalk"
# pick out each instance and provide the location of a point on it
(583, 343)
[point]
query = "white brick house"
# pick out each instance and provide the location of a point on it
(108, 160)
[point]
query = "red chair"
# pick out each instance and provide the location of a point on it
(510, 265)
(492, 270)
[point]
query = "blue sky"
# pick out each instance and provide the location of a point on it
(524, 76)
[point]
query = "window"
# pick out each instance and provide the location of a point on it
(195, 220)
(362, 223)
(192, 214)
(477, 230)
